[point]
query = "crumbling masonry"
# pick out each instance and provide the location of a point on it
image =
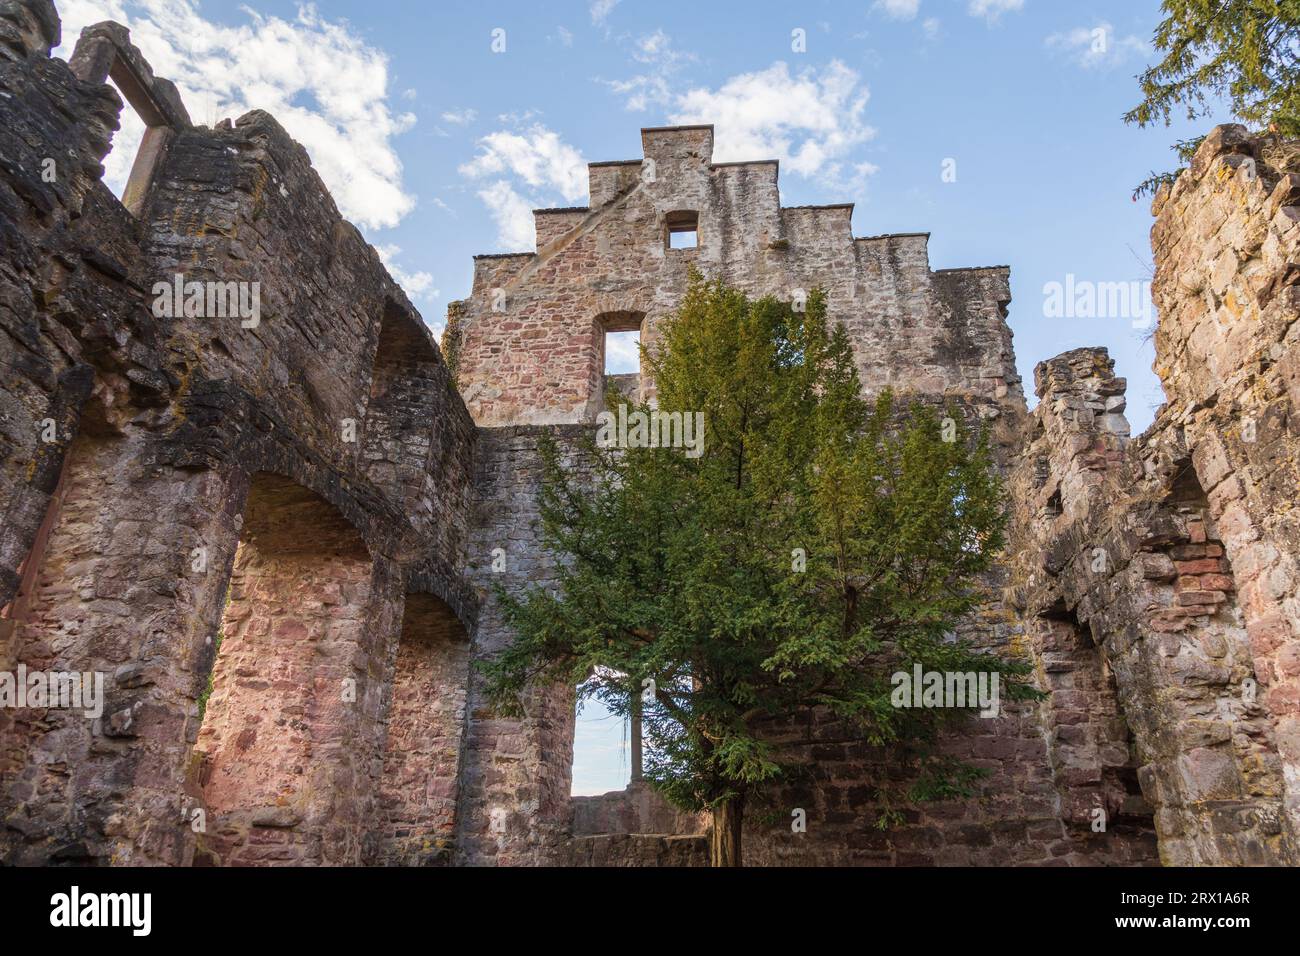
(275, 531)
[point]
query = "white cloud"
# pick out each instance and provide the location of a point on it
(623, 352)
(1097, 47)
(513, 215)
(899, 9)
(515, 119)
(537, 156)
(931, 27)
(460, 117)
(566, 35)
(326, 85)
(417, 285)
(653, 86)
(810, 121)
(526, 168)
(990, 10)
(601, 9)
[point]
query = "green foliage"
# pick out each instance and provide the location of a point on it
(1242, 52)
(684, 570)
(1184, 149)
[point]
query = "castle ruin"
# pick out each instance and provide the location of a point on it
(273, 530)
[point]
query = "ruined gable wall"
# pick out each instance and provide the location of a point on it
(162, 427)
(531, 354)
(531, 347)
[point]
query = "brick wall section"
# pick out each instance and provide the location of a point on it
(1018, 813)
(516, 773)
(277, 751)
(1094, 766)
(635, 849)
(114, 593)
(636, 809)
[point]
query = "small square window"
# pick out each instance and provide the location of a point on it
(683, 230)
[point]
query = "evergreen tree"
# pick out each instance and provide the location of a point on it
(1245, 53)
(818, 545)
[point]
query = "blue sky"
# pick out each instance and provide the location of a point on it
(437, 146)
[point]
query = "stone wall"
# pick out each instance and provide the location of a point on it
(1226, 241)
(1177, 550)
(637, 808)
(531, 349)
(517, 773)
(313, 462)
(635, 849)
(426, 722)
(532, 329)
(280, 537)
(1117, 549)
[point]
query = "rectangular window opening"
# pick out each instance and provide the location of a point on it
(127, 141)
(683, 230)
(623, 353)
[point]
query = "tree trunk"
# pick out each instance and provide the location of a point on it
(724, 836)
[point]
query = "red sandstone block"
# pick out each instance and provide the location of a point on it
(1189, 552)
(1197, 533)
(1217, 582)
(1288, 661)
(1205, 566)
(1193, 611)
(1267, 634)
(1189, 583)
(1283, 699)
(1201, 597)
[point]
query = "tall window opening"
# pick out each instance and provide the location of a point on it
(602, 758)
(619, 347)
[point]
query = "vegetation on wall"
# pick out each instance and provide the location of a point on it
(1244, 54)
